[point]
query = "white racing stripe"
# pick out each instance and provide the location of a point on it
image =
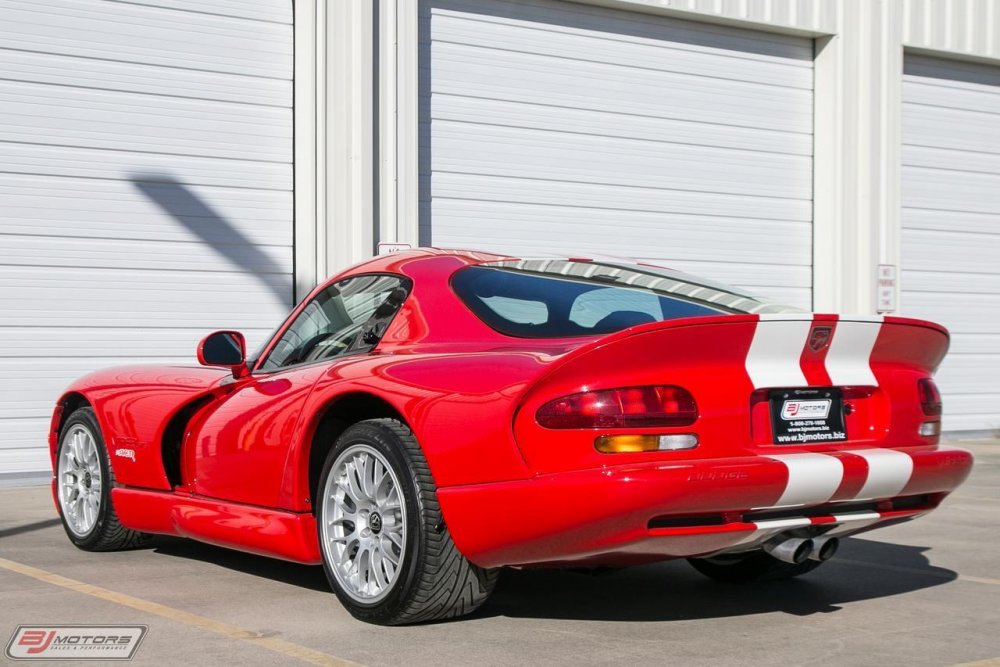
(847, 523)
(848, 361)
(765, 530)
(773, 358)
(853, 521)
(812, 478)
(889, 472)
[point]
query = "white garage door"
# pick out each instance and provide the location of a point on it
(145, 190)
(951, 226)
(553, 126)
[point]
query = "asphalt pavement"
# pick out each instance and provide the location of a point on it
(922, 593)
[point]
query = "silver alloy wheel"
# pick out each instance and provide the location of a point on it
(80, 480)
(364, 523)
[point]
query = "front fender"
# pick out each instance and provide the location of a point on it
(133, 406)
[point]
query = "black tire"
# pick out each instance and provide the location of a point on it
(107, 533)
(749, 567)
(433, 581)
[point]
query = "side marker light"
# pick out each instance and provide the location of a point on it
(621, 444)
(928, 429)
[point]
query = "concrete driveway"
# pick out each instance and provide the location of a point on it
(923, 593)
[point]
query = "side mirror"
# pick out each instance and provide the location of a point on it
(224, 348)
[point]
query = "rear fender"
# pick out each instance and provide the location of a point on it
(459, 406)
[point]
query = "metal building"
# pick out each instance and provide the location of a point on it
(161, 176)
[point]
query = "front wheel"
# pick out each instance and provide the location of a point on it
(386, 551)
(750, 566)
(84, 479)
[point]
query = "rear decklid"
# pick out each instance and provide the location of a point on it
(772, 383)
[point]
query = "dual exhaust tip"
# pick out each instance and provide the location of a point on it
(797, 550)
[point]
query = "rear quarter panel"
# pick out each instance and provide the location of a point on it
(459, 405)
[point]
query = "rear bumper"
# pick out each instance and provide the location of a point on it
(634, 513)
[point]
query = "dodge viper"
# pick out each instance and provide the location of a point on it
(428, 417)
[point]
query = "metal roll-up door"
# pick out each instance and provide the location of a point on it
(555, 126)
(145, 190)
(951, 226)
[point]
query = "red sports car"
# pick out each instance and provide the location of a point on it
(427, 417)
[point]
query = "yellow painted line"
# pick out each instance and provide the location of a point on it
(916, 570)
(280, 646)
(989, 662)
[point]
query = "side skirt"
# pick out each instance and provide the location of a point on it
(267, 532)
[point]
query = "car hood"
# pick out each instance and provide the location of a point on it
(145, 376)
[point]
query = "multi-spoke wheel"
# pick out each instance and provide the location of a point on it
(386, 551)
(83, 485)
(79, 473)
(365, 527)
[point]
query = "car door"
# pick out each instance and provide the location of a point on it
(237, 449)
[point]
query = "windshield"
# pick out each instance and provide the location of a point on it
(548, 298)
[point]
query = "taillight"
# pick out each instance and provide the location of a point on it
(930, 397)
(627, 407)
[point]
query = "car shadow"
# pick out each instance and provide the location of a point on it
(673, 591)
(29, 527)
(310, 577)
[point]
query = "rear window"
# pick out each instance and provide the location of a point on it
(564, 298)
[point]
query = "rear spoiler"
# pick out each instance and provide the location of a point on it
(844, 347)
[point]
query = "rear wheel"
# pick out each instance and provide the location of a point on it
(84, 480)
(386, 551)
(750, 566)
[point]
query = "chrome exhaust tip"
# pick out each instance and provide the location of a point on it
(824, 548)
(794, 550)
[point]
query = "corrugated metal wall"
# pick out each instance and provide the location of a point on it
(951, 226)
(967, 27)
(555, 127)
(145, 190)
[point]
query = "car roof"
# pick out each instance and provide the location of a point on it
(391, 261)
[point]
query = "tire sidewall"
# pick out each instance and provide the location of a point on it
(386, 443)
(85, 417)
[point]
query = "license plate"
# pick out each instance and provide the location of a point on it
(805, 416)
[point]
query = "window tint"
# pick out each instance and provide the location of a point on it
(591, 307)
(563, 298)
(335, 321)
(521, 311)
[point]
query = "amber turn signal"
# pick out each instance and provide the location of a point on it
(621, 444)
(618, 444)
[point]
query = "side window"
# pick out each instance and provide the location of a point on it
(337, 320)
(599, 307)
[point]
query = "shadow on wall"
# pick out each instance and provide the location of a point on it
(215, 231)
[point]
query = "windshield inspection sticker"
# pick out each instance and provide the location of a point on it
(75, 642)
